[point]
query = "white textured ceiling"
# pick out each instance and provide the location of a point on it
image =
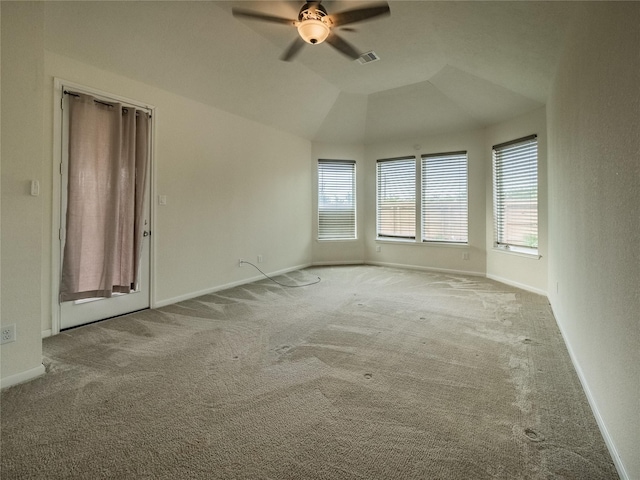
(445, 66)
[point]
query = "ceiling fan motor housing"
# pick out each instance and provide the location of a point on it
(312, 10)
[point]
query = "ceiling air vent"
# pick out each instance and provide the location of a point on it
(368, 58)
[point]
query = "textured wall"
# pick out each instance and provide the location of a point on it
(347, 251)
(523, 271)
(425, 255)
(594, 198)
(235, 188)
(22, 146)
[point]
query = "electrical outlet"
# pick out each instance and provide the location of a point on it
(465, 256)
(240, 262)
(260, 259)
(8, 334)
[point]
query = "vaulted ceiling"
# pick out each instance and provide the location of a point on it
(444, 66)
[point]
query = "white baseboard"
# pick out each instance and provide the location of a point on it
(337, 264)
(426, 269)
(613, 451)
(522, 286)
(189, 296)
(22, 377)
(46, 333)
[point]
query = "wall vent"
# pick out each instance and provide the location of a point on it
(368, 58)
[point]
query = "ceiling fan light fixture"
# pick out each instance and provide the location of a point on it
(315, 25)
(313, 31)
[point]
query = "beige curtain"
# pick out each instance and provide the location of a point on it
(108, 163)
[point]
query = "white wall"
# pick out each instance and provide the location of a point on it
(520, 270)
(339, 251)
(594, 218)
(235, 188)
(22, 100)
(523, 271)
(424, 255)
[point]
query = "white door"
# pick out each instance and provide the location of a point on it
(80, 312)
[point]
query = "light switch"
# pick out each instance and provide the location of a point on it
(35, 188)
(162, 199)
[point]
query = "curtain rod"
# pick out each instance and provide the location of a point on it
(97, 101)
(126, 109)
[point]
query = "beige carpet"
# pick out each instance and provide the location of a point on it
(374, 373)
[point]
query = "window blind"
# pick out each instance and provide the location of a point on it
(396, 198)
(444, 198)
(336, 199)
(515, 190)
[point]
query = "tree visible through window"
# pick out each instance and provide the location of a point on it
(515, 192)
(336, 199)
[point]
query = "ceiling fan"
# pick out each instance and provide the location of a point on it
(315, 25)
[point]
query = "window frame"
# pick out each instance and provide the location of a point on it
(410, 223)
(338, 166)
(524, 165)
(451, 179)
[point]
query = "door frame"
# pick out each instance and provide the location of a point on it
(59, 85)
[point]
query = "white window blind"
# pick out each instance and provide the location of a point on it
(336, 199)
(444, 198)
(396, 198)
(515, 190)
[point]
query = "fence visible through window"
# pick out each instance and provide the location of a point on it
(515, 193)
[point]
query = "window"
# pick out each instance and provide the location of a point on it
(336, 199)
(444, 198)
(396, 195)
(515, 191)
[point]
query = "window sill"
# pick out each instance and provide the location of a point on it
(333, 240)
(396, 241)
(446, 244)
(531, 253)
(400, 241)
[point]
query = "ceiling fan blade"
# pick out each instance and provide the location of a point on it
(239, 12)
(359, 14)
(342, 46)
(293, 50)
